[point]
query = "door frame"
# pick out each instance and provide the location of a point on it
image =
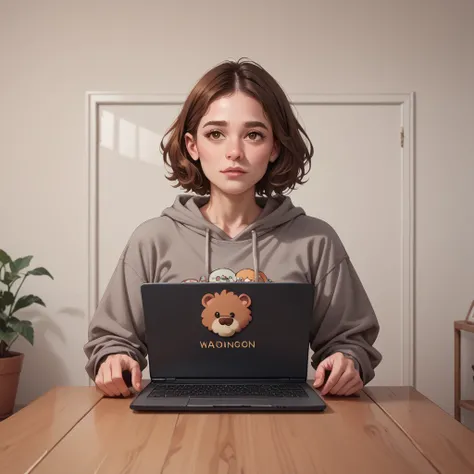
(406, 104)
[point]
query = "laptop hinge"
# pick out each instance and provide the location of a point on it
(282, 379)
(290, 379)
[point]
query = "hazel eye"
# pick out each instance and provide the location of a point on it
(254, 136)
(232, 315)
(214, 135)
(217, 314)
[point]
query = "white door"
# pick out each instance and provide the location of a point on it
(357, 184)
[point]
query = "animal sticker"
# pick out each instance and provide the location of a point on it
(226, 275)
(247, 274)
(222, 275)
(195, 280)
(226, 313)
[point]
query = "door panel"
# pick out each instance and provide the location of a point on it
(355, 185)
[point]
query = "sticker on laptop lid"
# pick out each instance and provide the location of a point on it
(226, 313)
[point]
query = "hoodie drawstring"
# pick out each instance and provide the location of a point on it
(208, 250)
(254, 255)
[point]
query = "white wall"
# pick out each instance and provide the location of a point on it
(53, 52)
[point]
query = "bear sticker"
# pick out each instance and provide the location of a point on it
(248, 274)
(226, 313)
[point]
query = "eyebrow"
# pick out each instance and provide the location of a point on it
(223, 123)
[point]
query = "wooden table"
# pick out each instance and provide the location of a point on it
(385, 430)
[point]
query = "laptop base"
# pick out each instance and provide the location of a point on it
(310, 402)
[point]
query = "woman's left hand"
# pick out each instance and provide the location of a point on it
(344, 378)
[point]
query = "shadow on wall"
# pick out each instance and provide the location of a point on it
(129, 140)
(43, 368)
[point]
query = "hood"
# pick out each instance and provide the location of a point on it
(276, 211)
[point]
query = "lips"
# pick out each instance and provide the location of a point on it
(233, 171)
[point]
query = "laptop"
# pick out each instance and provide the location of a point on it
(237, 346)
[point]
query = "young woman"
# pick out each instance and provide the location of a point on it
(238, 147)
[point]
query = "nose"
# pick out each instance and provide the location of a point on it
(233, 155)
(225, 321)
(234, 152)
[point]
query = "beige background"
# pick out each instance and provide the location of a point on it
(53, 52)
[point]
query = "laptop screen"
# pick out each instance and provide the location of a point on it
(227, 331)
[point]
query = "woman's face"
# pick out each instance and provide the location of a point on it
(234, 142)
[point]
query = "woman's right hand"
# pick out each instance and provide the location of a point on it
(109, 378)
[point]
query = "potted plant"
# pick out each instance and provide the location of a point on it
(13, 274)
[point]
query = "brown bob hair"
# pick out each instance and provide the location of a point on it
(294, 159)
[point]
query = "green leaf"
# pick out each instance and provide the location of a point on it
(10, 278)
(27, 300)
(12, 320)
(7, 334)
(20, 263)
(40, 271)
(23, 328)
(4, 257)
(6, 299)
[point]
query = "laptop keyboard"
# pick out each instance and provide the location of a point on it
(228, 390)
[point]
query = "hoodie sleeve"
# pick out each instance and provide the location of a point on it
(118, 324)
(344, 319)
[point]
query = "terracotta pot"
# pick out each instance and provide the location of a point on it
(10, 368)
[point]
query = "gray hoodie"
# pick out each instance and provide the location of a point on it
(282, 245)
